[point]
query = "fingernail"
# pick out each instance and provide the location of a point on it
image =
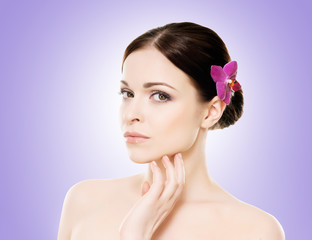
(180, 156)
(153, 166)
(154, 163)
(163, 159)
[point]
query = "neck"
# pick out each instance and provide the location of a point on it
(198, 183)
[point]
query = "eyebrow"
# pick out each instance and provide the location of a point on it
(150, 84)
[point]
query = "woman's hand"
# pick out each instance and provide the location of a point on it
(157, 201)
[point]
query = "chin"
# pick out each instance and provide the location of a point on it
(147, 156)
(143, 158)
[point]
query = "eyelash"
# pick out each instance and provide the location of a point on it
(168, 98)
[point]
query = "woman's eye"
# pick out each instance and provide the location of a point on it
(161, 97)
(157, 95)
(125, 94)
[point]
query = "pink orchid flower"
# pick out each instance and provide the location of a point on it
(225, 80)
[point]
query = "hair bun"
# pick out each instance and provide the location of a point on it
(232, 112)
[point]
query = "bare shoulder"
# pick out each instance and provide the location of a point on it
(264, 225)
(89, 195)
(92, 190)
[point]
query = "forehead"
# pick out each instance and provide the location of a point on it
(150, 65)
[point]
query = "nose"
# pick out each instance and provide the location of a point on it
(132, 111)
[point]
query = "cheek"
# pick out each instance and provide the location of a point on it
(172, 129)
(175, 130)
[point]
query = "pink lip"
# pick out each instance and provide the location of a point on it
(134, 134)
(134, 137)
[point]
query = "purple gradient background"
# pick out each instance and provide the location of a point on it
(59, 78)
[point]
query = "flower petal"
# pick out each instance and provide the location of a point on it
(230, 69)
(236, 86)
(217, 74)
(221, 89)
(228, 95)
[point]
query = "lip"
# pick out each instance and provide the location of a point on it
(134, 137)
(134, 134)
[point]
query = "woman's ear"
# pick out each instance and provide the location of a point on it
(213, 112)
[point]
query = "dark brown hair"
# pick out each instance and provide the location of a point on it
(193, 49)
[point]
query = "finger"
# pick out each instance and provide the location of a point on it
(160, 220)
(171, 183)
(158, 182)
(180, 179)
(169, 168)
(145, 187)
(183, 170)
(179, 167)
(180, 171)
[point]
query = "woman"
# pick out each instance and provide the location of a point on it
(178, 83)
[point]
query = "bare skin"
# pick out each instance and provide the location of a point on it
(99, 210)
(157, 204)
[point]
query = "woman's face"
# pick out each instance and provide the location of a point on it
(160, 102)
